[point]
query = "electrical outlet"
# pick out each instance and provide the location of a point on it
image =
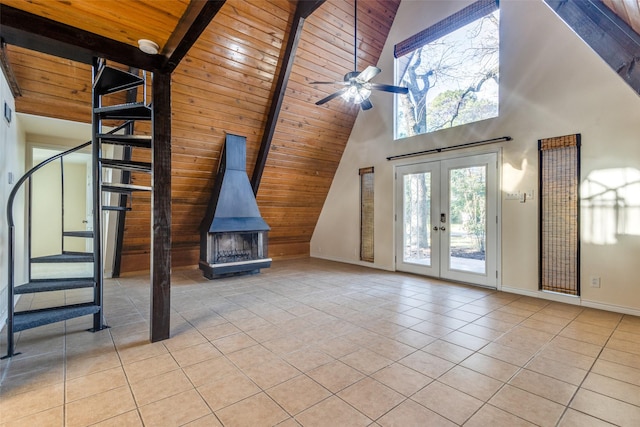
(595, 282)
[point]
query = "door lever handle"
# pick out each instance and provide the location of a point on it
(435, 228)
(443, 228)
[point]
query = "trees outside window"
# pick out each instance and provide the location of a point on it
(452, 80)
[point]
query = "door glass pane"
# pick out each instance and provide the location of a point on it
(468, 219)
(417, 219)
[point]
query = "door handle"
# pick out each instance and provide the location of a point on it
(84, 221)
(443, 228)
(435, 228)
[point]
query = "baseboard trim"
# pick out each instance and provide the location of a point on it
(573, 300)
(611, 307)
(350, 261)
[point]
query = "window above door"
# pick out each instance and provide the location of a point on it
(451, 70)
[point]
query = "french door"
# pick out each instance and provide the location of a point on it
(446, 219)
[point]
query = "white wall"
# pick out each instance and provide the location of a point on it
(11, 163)
(47, 206)
(552, 84)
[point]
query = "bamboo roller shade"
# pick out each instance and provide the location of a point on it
(366, 214)
(559, 214)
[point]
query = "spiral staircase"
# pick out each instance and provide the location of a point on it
(117, 127)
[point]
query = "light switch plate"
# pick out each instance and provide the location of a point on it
(512, 195)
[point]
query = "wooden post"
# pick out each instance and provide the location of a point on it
(161, 207)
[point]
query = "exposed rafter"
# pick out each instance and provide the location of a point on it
(194, 21)
(34, 32)
(303, 10)
(605, 33)
(8, 71)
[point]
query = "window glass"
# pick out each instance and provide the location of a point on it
(452, 78)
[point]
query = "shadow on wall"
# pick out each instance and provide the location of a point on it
(610, 205)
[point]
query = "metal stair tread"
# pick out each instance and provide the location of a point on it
(32, 319)
(48, 285)
(123, 188)
(112, 80)
(64, 257)
(83, 233)
(143, 141)
(129, 165)
(132, 111)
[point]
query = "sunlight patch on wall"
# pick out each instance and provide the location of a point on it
(512, 176)
(610, 205)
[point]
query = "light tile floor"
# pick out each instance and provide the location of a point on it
(317, 343)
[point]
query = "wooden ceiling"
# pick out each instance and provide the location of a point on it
(225, 84)
(126, 22)
(627, 10)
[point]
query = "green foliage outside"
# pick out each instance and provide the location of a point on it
(468, 202)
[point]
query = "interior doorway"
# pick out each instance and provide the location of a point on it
(447, 219)
(60, 201)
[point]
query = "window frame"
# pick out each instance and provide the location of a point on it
(446, 26)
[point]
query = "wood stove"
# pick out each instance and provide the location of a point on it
(234, 237)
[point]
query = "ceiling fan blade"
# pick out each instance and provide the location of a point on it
(388, 88)
(329, 83)
(332, 96)
(366, 105)
(368, 73)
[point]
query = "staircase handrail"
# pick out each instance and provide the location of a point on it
(31, 171)
(11, 240)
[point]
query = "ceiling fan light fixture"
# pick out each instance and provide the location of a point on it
(357, 94)
(148, 46)
(356, 84)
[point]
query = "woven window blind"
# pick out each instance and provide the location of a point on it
(451, 23)
(366, 214)
(560, 214)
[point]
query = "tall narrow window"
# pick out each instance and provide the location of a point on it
(366, 214)
(451, 70)
(559, 214)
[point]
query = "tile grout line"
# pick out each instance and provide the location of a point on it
(595, 360)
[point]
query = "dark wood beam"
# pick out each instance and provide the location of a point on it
(304, 9)
(44, 35)
(607, 34)
(193, 22)
(161, 206)
(8, 71)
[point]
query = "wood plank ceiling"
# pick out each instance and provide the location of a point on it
(224, 85)
(627, 10)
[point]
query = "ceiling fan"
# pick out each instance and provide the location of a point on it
(357, 86)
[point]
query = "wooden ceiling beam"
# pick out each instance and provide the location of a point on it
(607, 34)
(8, 71)
(193, 22)
(304, 9)
(44, 35)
